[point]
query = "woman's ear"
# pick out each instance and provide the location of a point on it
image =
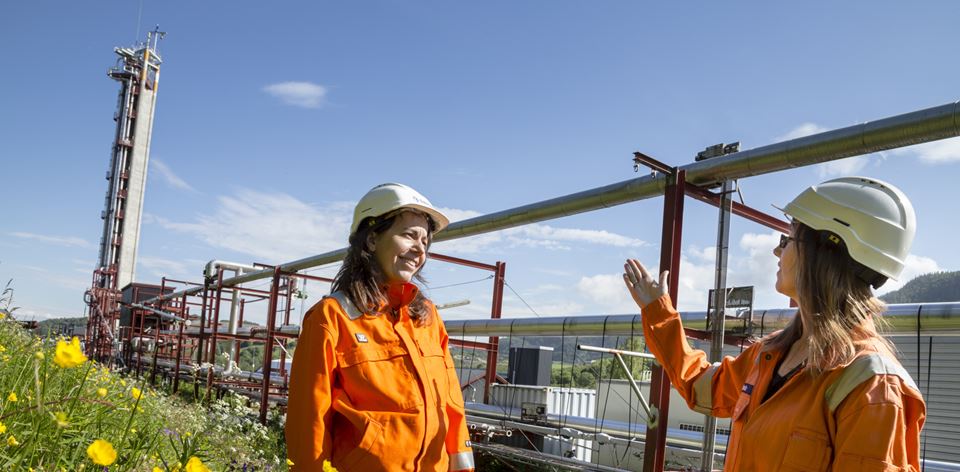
(371, 241)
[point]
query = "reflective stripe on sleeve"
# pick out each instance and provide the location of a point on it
(703, 390)
(461, 461)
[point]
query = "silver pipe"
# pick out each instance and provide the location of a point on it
(904, 317)
(916, 127)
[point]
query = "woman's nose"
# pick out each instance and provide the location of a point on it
(777, 251)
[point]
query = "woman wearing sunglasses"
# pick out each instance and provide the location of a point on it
(827, 391)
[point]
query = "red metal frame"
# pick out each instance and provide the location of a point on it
(669, 260)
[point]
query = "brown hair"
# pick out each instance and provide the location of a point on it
(361, 278)
(841, 310)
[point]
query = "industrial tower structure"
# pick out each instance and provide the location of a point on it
(138, 71)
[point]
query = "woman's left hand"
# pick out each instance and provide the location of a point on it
(641, 285)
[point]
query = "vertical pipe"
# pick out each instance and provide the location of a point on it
(234, 307)
(719, 311)
(218, 299)
(495, 311)
(236, 345)
(268, 345)
(291, 284)
(179, 350)
(135, 317)
(212, 356)
(203, 315)
(656, 437)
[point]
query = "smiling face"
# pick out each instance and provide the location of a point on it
(401, 250)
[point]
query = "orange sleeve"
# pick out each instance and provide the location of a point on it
(711, 389)
(458, 438)
(308, 405)
(878, 427)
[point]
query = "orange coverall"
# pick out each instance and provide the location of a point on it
(375, 392)
(864, 416)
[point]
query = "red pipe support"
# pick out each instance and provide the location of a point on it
(656, 437)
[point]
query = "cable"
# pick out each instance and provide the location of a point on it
(461, 283)
(521, 298)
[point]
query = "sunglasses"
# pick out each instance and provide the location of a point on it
(784, 240)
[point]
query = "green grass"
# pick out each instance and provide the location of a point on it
(51, 414)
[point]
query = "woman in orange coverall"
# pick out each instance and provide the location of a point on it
(826, 392)
(373, 386)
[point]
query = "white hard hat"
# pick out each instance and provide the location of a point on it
(385, 198)
(873, 218)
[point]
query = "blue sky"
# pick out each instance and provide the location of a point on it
(274, 118)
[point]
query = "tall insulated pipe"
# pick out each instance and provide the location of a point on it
(916, 127)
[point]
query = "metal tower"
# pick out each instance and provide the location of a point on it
(138, 71)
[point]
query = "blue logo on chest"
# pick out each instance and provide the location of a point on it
(747, 388)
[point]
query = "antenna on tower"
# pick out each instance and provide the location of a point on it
(154, 37)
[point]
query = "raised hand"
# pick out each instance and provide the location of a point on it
(641, 285)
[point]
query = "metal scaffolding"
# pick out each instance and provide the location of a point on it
(674, 183)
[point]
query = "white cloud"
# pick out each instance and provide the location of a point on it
(59, 278)
(68, 241)
(300, 94)
(533, 235)
(271, 227)
(805, 129)
(944, 151)
(168, 175)
(607, 292)
(841, 167)
(754, 264)
(914, 266)
(160, 267)
(544, 232)
(28, 314)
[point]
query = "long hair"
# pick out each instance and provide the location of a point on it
(361, 278)
(836, 305)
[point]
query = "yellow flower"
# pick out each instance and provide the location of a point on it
(69, 355)
(6, 358)
(328, 468)
(3, 428)
(12, 397)
(136, 393)
(12, 441)
(2, 349)
(133, 430)
(39, 355)
(196, 465)
(157, 469)
(289, 462)
(61, 419)
(123, 383)
(101, 452)
(102, 392)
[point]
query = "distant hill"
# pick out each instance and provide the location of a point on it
(933, 287)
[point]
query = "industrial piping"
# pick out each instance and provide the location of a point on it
(625, 325)
(907, 129)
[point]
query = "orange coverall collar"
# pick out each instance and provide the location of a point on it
(400, 295)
